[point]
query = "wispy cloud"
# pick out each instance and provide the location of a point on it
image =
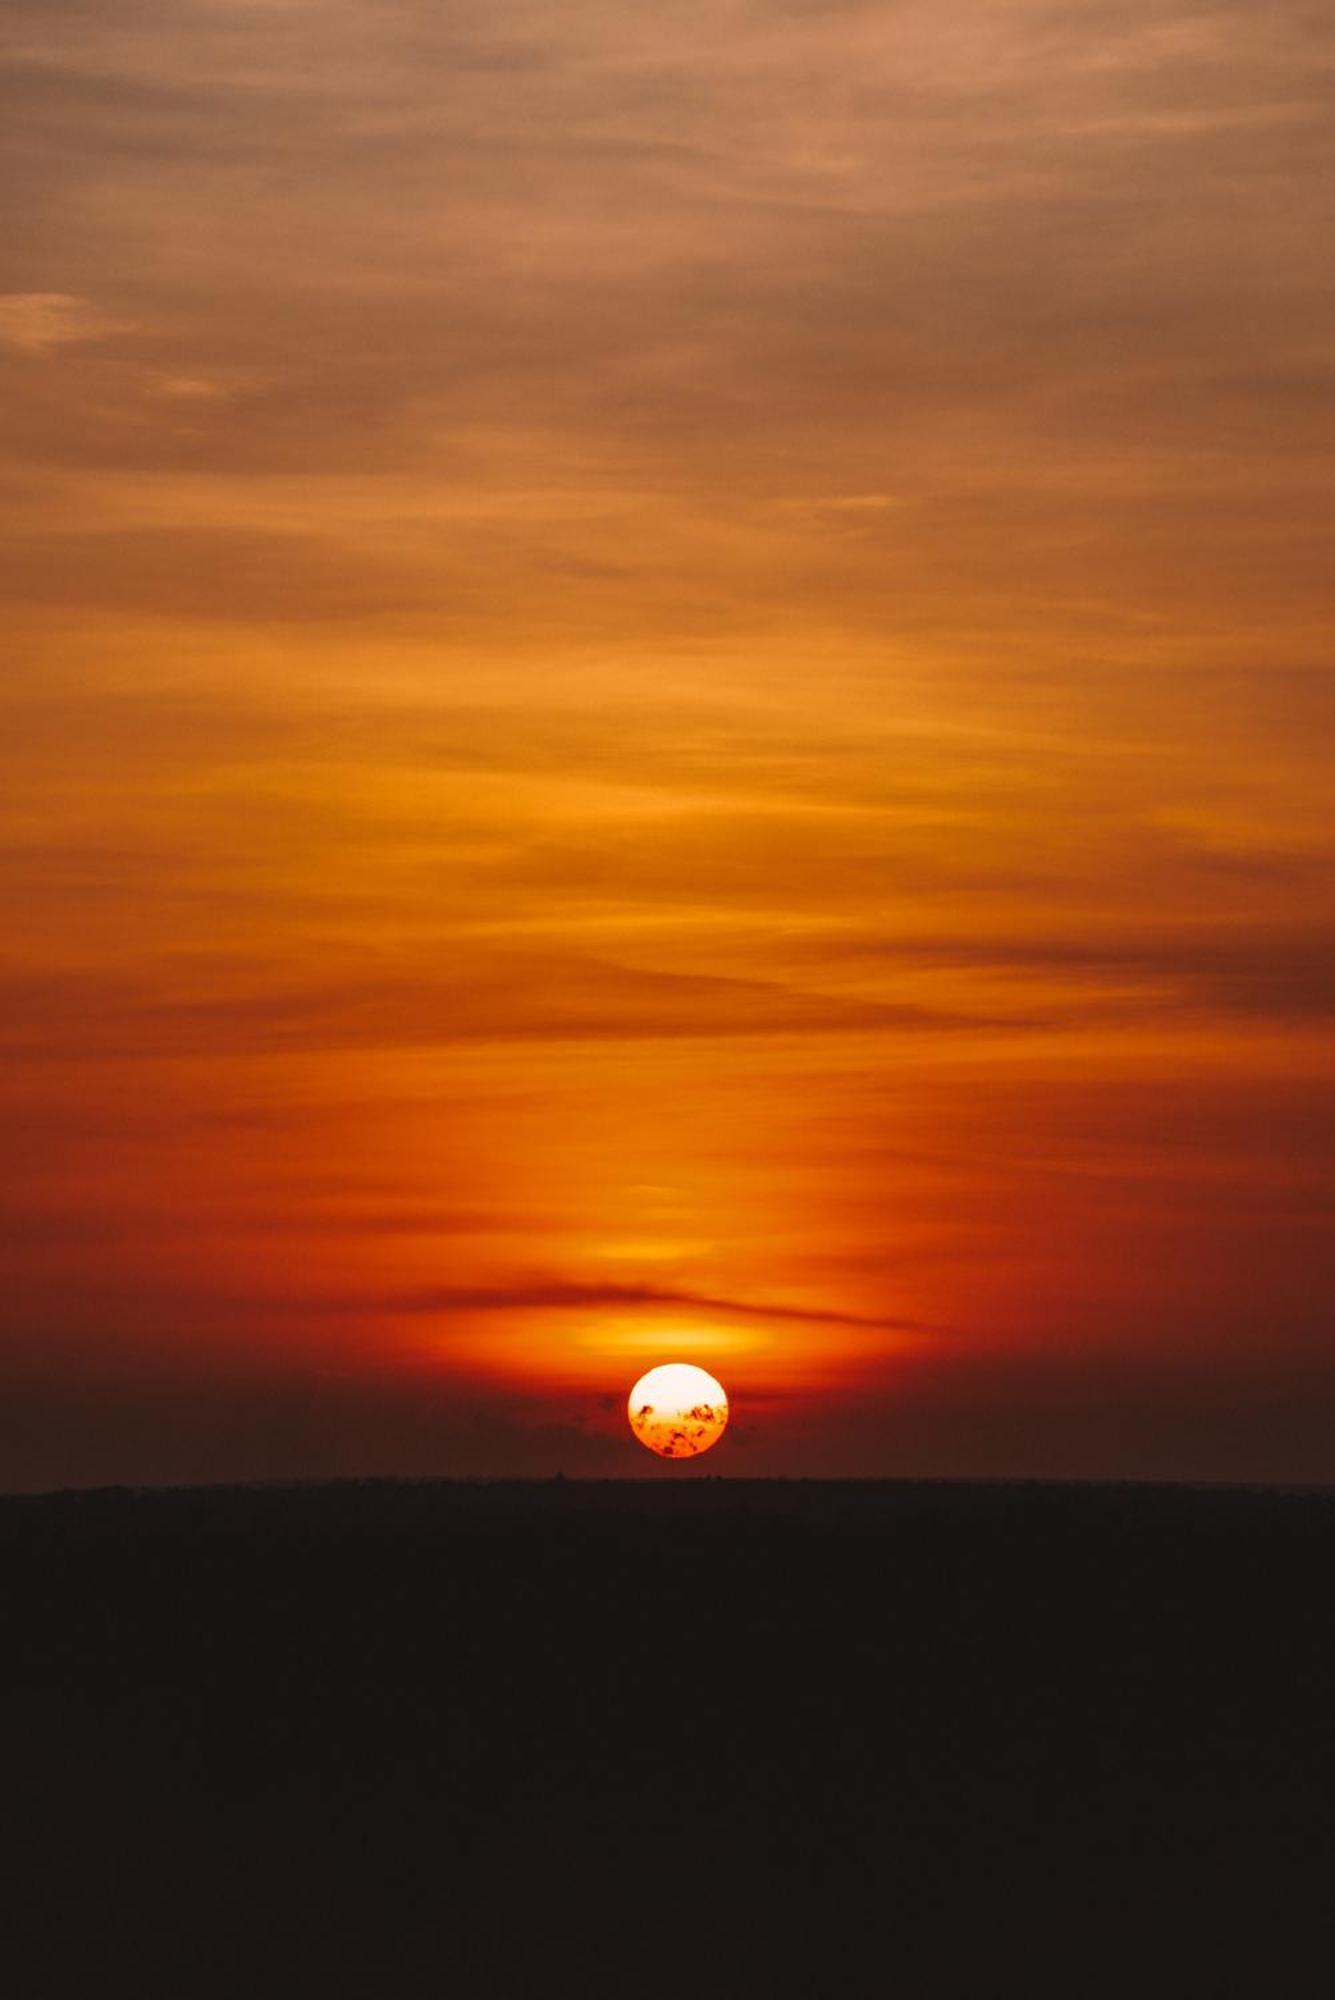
(527, 1000)
(560, 1296)
(35, 322)
(1284, 974)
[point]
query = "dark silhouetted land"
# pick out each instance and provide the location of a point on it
(661, 1738)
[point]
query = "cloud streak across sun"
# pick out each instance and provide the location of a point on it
(686, 648)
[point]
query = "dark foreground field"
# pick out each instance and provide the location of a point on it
(668, 1739)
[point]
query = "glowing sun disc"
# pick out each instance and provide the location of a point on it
(677, 1410)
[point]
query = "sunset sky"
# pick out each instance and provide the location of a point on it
(667, 695)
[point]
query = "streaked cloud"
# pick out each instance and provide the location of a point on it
(561, 1296)
(34, 322)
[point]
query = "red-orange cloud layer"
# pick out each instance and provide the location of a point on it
(666, 693)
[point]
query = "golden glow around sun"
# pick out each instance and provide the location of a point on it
(678, 1410)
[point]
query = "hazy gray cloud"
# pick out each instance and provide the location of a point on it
(866, 242)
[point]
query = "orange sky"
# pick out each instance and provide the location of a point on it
(666, 695)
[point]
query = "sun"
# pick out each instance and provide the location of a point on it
(678, 1410)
